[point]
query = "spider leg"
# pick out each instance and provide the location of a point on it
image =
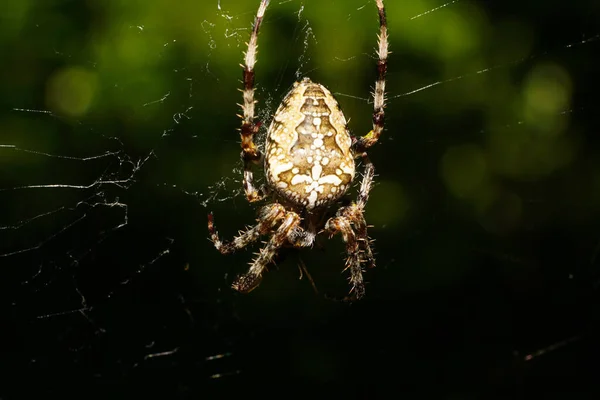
(269, 215)
(365, 244)
(250, 280)
(250, 153)
(357, 213)
(342, 225)
(372, 137)
(351, 223)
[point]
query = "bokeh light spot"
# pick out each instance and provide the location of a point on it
(71, 90)
(547, 92)
(464, 170)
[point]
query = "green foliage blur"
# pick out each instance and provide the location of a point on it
(479, 114)
(118, 134)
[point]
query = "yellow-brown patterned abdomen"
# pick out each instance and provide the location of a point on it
(308, 156)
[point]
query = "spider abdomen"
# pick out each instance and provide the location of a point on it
(308, 157)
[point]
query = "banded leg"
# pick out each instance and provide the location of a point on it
(250, 280)
(250, 153)
(342, 225)
(268, 217)
(372, 137)
(367, 182)
(357, 214)
(354, 215)
(351, 223)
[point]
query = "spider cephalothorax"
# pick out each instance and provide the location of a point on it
(309, 165)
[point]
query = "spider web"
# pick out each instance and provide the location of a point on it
(119, 135)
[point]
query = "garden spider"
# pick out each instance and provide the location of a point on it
(309, 165)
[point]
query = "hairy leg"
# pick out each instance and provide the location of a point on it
(363, 143)
(250, 280)
(250, 153)
(269, 215)
(351, 224)
(356, 214)
(341, 225)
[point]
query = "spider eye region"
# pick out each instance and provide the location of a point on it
(309, 159)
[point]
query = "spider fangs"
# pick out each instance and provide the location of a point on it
(309, 165)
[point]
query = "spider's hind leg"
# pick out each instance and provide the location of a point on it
(364, 142)
(250, 152)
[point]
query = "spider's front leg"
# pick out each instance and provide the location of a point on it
(250, 280)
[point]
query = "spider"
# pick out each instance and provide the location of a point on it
(309, 165)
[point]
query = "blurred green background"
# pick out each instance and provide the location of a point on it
(118, 133)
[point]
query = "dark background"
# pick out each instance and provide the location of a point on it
(118, 136)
